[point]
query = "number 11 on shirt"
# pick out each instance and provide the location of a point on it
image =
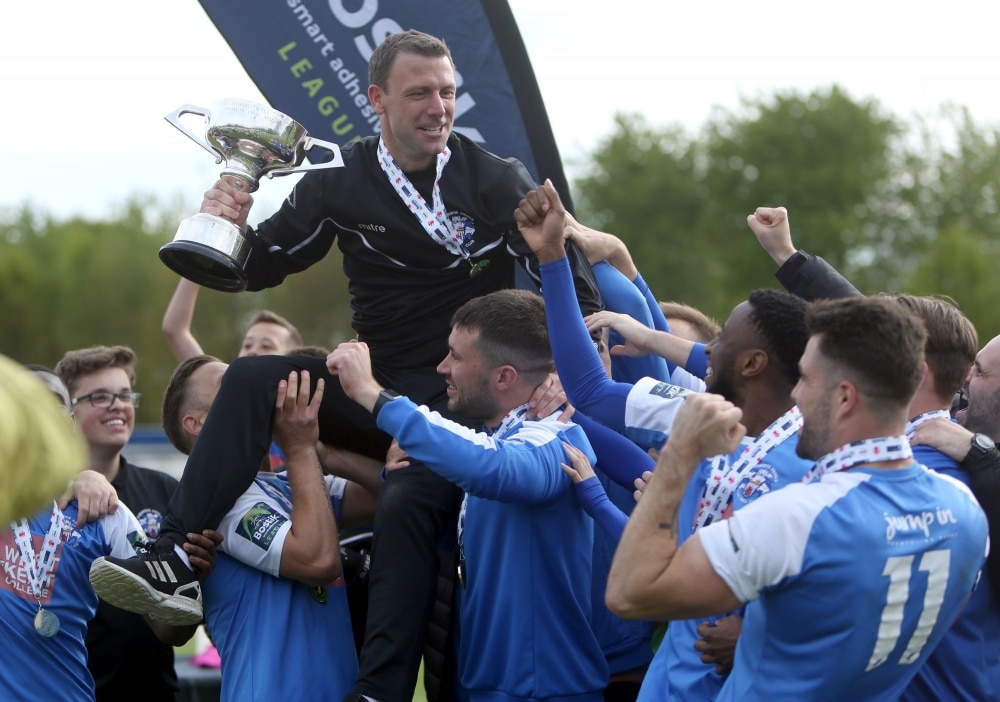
(899, 570)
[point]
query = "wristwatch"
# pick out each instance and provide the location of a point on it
(982, 455)
(981, 444)
(384, 397)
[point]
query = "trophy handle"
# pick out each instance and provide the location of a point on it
(336, 162)
(174, 119)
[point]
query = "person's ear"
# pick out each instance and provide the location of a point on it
(753, 362)
(192, 422)
(845, 396)
(505, 376)
(376, 98)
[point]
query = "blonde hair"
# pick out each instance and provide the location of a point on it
(39, 449)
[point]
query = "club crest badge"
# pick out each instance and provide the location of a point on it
(151, 521)
(755, 483)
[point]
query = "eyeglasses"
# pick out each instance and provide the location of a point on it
(106, 399)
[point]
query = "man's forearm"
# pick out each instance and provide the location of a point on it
(651, 538)
(812, 278)
(313, 542)
(673, 348)
(363, 470)
(621, 259)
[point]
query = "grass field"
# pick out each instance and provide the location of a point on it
(418, 695)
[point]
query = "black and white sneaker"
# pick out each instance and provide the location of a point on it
(155, 582)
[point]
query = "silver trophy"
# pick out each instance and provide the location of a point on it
(253, 140)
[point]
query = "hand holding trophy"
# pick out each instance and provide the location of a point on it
(253, 140)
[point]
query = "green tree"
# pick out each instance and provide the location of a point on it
(645, 184)
(961, 264)
(821, 155)
(77, 283)
(681, 203)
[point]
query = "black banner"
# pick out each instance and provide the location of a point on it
(309, 58)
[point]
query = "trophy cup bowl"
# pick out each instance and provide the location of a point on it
(252, 140)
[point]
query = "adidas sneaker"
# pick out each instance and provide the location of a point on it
(155, 582)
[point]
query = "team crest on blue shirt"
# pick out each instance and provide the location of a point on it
(71, 535)
(151, 521)
(464, 227)
(756, 483)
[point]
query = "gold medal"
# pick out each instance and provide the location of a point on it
(46, 623)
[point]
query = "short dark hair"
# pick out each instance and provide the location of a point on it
(294, 338)
(411, 42)
(512, 331)
(780, 319)
(178, 400)
(952, 341)
(877, 342)
(80, 362)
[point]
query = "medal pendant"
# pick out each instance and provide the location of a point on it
(46, 623)
(319, 593)
(478, 267)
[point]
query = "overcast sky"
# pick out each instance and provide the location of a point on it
(85, 83)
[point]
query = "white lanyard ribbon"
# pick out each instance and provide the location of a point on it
(515, 416)
(717, 494)
(38, 567)
(879, 450)
(911, 426)
(433, 219)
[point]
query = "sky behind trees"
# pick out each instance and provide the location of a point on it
(86, 85)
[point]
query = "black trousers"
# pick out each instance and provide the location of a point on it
(412, 509)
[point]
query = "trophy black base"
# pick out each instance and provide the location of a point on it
(210, 251)
(204, 265)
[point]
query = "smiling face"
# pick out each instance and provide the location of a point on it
(416, 109)
(982, 390)
(468, 376)
(723, 352)
(104, 427)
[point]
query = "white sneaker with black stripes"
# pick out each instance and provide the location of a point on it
(155, 582)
